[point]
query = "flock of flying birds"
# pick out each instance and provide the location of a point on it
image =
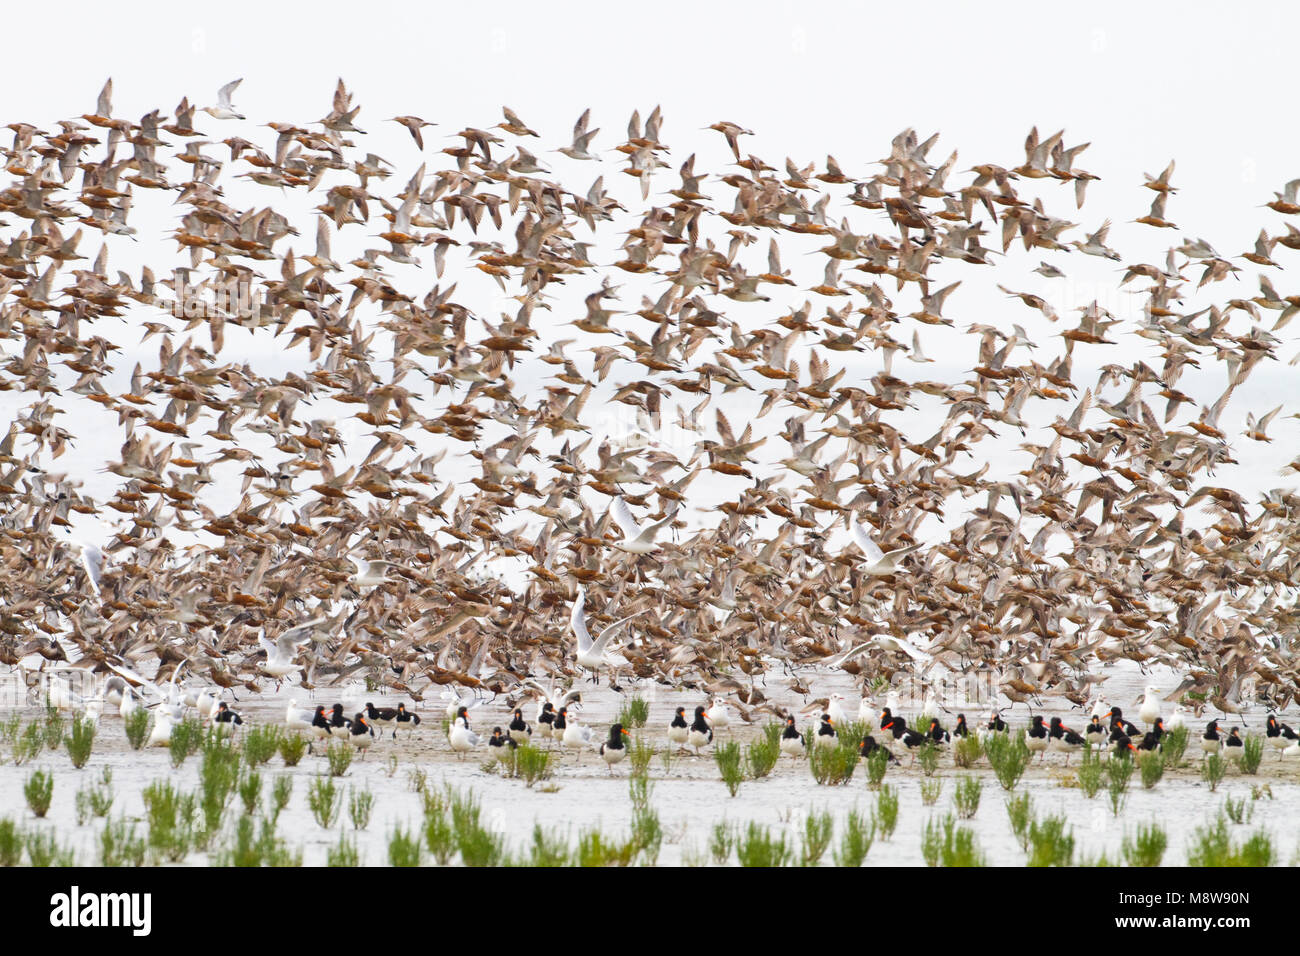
(394, 464)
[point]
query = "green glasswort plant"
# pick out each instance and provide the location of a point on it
(137, 727)
(944, 842)
(1020, 812)
(728, 758)
(293, 747)
(635, 712)
(1119, 770)
(325, 800)
(886, 816)
(1173, 745)
(930, 790)
(855, 839)
(39, 791)
(1050, 842)
(339, 755)
(170, 816)
(261, 743)
(1151, 767)
(361, 804)
(281, 791)
(1090, 772)
(119, 845)
(1008, 755)
(927, 756)
(95, 799)
(1213, 770)
(877, 764)
(343, 853)
(1238, 811)
(549, 848)
(639, 754)
(762, 754)
(722, 840)
(966, 796)
(817, 829)
(833, 766)
(966, 751)
(1252, 752)
(759, 848)
(404, 848)
(81, 740)
(11, 843)
(53, 728)
(1145, 846)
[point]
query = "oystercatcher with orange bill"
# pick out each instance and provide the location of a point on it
(1280, 736)
(406, 720)
(1036, 737)
(381, 717)
(614, 749)
(1211, 740)
(1063, 739)
(826, 732)
(1125, 727)
(791, 739)
(701, 734)
(679, 730)
(520, 731)
(363, 735)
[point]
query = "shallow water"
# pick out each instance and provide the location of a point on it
(690, 800)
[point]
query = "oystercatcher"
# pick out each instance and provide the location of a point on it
(961, 730)
(1063, 739)
(520, 731)
(700, 734)
(1280, 736)
(911, 739)
(1095, 733)
(337, 721)
(826, 732)
(406, 720)
(1234, 739)
(225, 718)
(502, 745)
(613, 750)
(546, 720)
(868, 746)
(363, 735)
(1151, 739)
(320, 725)
(1210, 740)
(1036, 737)
(1117, 721)
(937, 733)
(381, 717)
(679, 730)
(791, 739)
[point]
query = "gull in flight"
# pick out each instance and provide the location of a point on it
(636, 540)
(592, 653)
(370, 573)
(225, 110)
(878, 562)
(281, 652)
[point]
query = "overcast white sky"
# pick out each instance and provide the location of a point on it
(1209, 85)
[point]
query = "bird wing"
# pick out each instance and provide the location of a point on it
(603, 641)
(863, 541)
(578, 623)
(623, 518)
